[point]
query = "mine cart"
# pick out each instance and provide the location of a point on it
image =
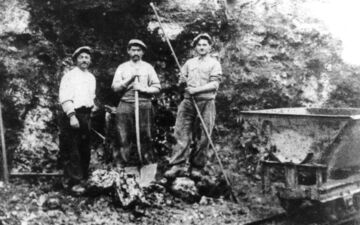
(310, 155)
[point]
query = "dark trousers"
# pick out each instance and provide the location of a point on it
(126, 151)
(188, 126)
(75, 146)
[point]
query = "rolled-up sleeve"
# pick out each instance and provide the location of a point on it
(184, 73)
(153, 78)
(216, 74)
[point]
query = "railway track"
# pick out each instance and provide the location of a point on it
(284, 219)
(269, 220)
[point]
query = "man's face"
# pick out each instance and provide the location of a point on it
(83, 61)
(203, 47)
(136, 53)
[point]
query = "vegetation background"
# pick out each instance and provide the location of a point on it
(274, 53)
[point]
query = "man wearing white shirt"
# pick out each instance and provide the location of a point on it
(76, 96)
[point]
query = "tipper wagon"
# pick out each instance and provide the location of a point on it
(312, 155)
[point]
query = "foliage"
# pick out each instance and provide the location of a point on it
(271, 61)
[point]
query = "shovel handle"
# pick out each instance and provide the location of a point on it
(3, 149)
(214, 149)
(137, 123)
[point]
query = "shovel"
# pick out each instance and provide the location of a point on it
(147, 173)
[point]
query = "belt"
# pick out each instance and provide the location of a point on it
(83, 109)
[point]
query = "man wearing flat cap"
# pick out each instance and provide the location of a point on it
(202, 75)
(76, 95)
(134, 75)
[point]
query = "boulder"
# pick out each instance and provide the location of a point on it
(185, 189)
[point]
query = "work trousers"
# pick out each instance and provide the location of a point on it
(75, 146)
(126, 152)
(188, 126)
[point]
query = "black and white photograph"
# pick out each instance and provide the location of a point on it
(179, 112)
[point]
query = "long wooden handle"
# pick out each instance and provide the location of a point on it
(196, 107)
(214, 149)
(3, 148)
(137, 123)
(166, 37)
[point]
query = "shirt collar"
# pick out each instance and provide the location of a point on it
(79, 70)
(136, 63)
(204, 58)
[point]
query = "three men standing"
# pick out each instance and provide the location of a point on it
(201, 74)
(134, 75)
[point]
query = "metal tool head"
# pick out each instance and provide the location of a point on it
(144, 175)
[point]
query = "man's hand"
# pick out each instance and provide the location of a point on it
(74, 122)
(191, 90)
(140, 88)
(94, 111)
(110, 109)
(135, 77)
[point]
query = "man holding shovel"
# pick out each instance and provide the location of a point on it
(136, 81)
(202, 75)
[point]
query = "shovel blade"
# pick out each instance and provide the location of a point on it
(147, 174)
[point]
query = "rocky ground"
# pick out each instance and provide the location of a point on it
(44, 201)
(41, 203)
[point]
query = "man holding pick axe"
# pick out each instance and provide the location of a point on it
(202, 75)
(136, 81)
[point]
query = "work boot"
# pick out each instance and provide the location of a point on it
(176, 171)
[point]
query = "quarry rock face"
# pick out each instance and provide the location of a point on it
(272, 53)
(15, 17)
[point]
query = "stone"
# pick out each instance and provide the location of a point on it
(185, 189)
(52, 203)
(124, 184)
(172, 30)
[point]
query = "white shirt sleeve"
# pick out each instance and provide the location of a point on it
(93, 88)
(66, 94)
(184, 72)
(153, 78)
(117, 80)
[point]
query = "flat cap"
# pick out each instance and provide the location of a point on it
(137, 42)
(86, 49)
(201, 36)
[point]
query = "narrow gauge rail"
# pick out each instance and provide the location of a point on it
(284, 219)
(278, 218)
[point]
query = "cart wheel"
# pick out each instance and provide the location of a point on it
(335, 210)
(291, 206)
(356, 199)
(328, 211)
